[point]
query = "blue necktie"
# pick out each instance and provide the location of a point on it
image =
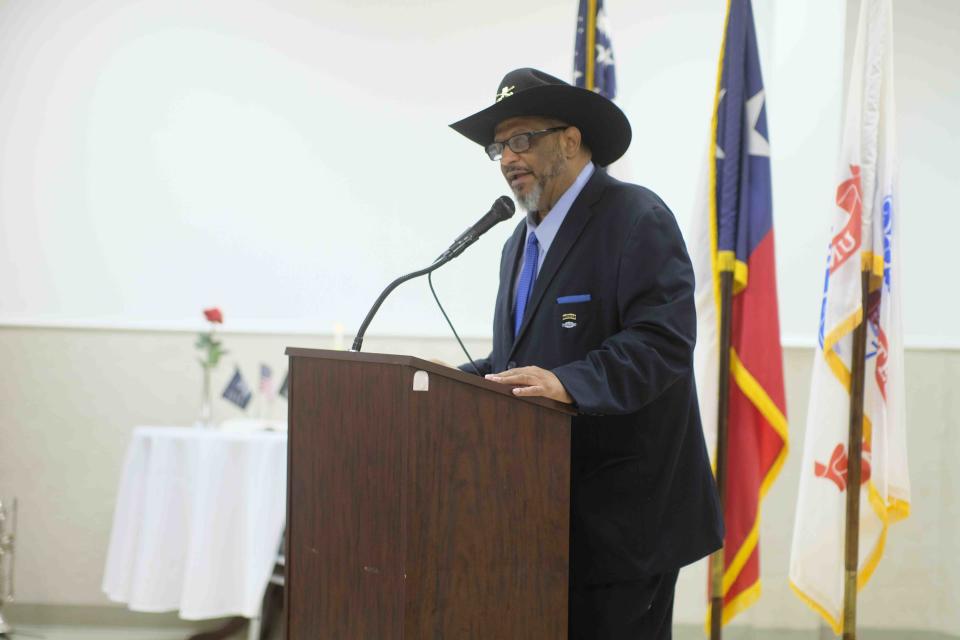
(530, 257)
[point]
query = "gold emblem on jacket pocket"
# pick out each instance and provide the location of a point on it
(568, 320)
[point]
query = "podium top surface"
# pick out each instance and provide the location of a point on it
(430, 367)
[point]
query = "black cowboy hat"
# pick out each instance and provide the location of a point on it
(529, 92)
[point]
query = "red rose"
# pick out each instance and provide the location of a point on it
(213, 314)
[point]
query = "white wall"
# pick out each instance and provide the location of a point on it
(286, 159)
(927, 77)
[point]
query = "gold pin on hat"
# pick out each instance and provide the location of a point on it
(505, 92)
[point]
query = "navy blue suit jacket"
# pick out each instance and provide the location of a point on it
(643, 497)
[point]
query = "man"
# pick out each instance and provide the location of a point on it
(595, 309)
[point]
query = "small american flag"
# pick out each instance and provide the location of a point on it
(237, 390)
(266, 380)
(593, 65)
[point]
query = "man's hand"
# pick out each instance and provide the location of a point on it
(533, 381)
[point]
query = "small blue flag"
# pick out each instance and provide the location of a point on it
(237, 391)
(593, 65)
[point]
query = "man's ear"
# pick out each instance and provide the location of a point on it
(572, 141)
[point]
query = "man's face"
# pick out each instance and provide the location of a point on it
(531, 174)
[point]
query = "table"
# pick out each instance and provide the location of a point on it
(199, 518)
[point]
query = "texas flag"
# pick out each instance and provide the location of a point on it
(864, 238)
(733, 233)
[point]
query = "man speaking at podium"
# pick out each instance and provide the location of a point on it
(595, 309)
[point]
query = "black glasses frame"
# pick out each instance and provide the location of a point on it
(518, 143)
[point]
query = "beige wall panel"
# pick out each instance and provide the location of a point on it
(70, 398)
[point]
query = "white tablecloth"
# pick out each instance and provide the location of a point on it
(198, 521)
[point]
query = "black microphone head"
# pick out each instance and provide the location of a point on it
(504, 208)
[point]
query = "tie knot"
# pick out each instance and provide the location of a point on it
(532, 240)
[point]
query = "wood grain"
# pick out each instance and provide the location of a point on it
(422, 514)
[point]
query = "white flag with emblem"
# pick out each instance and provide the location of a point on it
(865, 235)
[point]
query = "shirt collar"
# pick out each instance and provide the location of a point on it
(547, 228)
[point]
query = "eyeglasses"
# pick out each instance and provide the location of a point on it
(518, 143)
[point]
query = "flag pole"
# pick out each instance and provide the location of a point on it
(723, 402)
(854, 458)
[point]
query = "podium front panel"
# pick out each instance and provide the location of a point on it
(435, 513)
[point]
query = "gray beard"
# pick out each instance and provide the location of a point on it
(531, 201)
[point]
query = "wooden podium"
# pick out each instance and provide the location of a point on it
(422, 502)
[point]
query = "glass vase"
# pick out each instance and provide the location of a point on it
(205, 420)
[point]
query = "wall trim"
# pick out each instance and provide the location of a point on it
(118, 616)
(272, 328)
(21, 613)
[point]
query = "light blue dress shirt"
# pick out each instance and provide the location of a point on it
(547, 228)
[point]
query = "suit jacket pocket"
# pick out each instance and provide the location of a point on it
(617, 479)
(612, 495)
(572, 325)
(610, 515)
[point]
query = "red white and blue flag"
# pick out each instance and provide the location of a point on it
(593, 64)
(865, 237)
(266, 381)
(237, 390)
(734, 233)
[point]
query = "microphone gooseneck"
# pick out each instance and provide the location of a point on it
(502, 209)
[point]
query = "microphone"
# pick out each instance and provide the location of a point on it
(502, 209)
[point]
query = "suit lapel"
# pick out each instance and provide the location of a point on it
(573, 225)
